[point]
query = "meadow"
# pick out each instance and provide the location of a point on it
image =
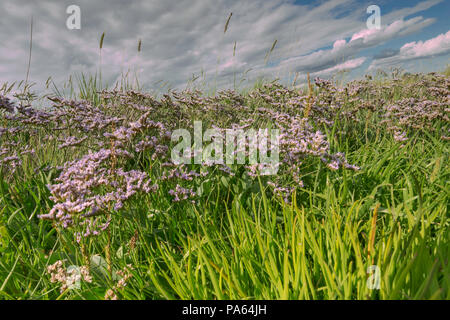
(92, 206)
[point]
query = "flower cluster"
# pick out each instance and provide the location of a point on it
(6, 104)
(125, 275)
(89, 187)
(68, 279)
(118, 147)
(415, 114)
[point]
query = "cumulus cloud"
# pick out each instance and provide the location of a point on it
(437, 46)
(347, 66)
(363, 39)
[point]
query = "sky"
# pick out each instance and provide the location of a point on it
(184, 40)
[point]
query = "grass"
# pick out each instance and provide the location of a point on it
(240, 241)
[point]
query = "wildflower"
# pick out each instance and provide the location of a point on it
(67, 279)
(6, 104)
(71, 142)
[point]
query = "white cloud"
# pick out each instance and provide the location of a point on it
(348, 65)
(439, 45)
(343, 51)
(180, 38)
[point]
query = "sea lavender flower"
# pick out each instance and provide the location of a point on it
(71, 142)
(6, 104)
(181, 193)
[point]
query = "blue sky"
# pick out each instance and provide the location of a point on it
(182, 38)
